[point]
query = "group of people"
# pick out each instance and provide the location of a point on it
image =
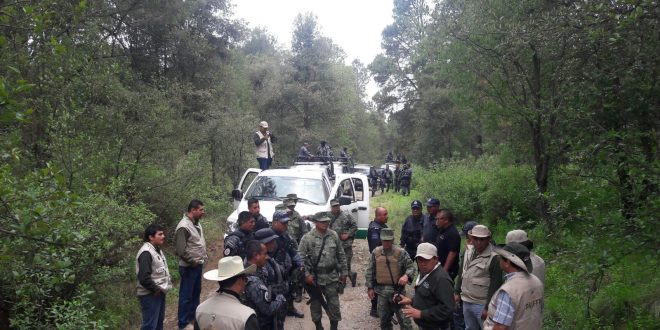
(400, 177)
(324, 152)
(266, 266)
(483, 287)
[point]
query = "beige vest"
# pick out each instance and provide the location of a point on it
(222, 311)
(159, 272)
(262, 149)
(196, 245)
(526, 292)
(382, 273)
(538, 266)
(476, 278)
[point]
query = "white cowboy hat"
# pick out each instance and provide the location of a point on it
(229, 267)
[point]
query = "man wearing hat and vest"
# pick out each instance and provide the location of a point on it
(236, 241)
(480, 277)
(190, 247)
(268, 306)
(224, 310)
(432, 304)
(520, 236)
(411, 231)
(345, 226)
(153, 278)
(325, 268)
(518, 304)
(390, 268)
(263, 141)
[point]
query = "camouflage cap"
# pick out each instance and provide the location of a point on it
(334, 202)
(322, 217)
(280, 207)
(386, 234)
(293, 197)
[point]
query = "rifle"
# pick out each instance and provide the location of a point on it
(313, 290)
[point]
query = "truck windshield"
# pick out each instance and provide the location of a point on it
(277, 187)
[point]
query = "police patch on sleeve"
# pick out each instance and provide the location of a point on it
(227, 251)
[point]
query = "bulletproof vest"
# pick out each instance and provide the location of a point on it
(382, 272)
(239, 249)
(413, 231)
(275, 281)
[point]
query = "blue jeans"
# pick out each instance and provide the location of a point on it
(189, 291)
(459, 320)
(472, 315)
(153, 311)
(264, 163)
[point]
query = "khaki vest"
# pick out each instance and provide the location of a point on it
(538, 266)
(526, 292)
(382, 273)
(196, 244)
(159, 272)
(222, 311)
(262, 149)
(476, 278)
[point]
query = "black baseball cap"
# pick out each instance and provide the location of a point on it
(416, 204)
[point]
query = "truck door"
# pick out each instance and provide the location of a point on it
(362, 195)
(246, 180)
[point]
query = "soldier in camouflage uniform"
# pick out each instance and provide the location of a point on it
(325, 269)
(297, 227)
(287, 256)
(345, 226)
(258, 295)
(389, 270)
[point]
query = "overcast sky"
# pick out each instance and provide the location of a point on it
(354, 25)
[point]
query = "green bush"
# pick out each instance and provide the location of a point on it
(57, 247)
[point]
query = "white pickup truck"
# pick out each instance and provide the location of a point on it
(315, 187)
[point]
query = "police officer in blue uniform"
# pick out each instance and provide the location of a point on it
(411, 231)
(236, 241)
(287, 256)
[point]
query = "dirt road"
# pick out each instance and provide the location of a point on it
(354, 302)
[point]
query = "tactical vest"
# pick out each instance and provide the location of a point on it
(275, 281)
(526, 292)
(382, 273)
(159, 272)
(196, 244)
(239, 249)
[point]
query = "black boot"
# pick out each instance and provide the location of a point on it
(333, 325)
(319, 325)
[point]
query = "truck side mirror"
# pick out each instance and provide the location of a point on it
(237, 194)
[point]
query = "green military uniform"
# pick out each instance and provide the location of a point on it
(344, 223)
(297, 228)
(331, 265)
(381, 279)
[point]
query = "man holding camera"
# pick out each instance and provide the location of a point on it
(263, 141)
(389, 270)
